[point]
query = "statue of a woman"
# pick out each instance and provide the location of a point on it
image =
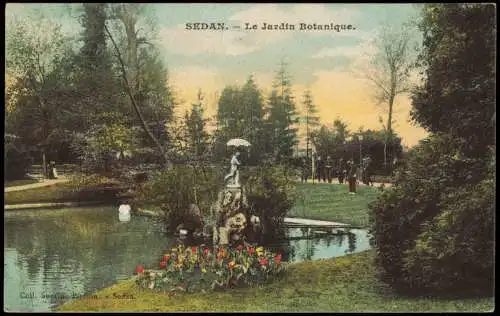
(234, 172)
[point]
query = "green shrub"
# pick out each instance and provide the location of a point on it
(16, 163)
(271, 192)
(455, 252)
(175, 189)
(402, 217)
(81, 181)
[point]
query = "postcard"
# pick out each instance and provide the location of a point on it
(237, 157)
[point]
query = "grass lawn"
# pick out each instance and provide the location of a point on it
(14, 183)
(60, 192)
(345, 284)
(333, 202)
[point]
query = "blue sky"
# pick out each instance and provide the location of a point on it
(326, 62)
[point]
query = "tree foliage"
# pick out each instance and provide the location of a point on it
(458, 95)
(434, 230)
(281, 118)
(309, 119)
(240, 115)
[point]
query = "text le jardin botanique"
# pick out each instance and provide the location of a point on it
(221, 26)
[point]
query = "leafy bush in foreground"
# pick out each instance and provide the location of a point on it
(434, 230)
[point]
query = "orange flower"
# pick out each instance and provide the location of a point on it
(231, 264)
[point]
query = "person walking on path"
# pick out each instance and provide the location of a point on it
(341, 170)
(366, 166)
(351, 176)
(304, 170)
(319, 169)
(329, 169)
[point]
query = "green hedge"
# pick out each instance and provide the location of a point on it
(433, 231)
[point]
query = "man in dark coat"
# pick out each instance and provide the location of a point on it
(329, 169)
(319, 169)
(304, 170)
(366, 168)
(341, 169)
(351, 176)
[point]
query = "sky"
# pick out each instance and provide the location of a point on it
(329, 63)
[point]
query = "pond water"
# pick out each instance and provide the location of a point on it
(53, 256)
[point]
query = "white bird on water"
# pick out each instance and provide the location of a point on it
(124, 212)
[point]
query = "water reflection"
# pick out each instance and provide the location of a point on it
(299, 244)
(50, 258)
(53, 257)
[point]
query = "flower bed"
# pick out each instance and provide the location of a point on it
(202, 268)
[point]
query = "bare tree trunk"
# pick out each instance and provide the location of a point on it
(388, 137)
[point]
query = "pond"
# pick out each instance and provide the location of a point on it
(52, 256)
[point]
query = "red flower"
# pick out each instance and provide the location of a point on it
(206, 251)
(193, 249)
(163, 264)
(277, 258)
(251, 251)
(166, 257)
(263, 261)
(139, 269)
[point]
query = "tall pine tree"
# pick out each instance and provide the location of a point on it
(310, 120)
(197, 137)
(282, 117)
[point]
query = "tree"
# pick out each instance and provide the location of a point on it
(37, 60)
(129, 14)
(310, 119)
(324, 141)
(252, 107)
(282, 117)
(458, 94)
(434, 230)
(197, 137)
(390, 70)
(240, 115)
(97, 90)
(341, 131)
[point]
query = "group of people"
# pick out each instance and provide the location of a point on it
(327, 169)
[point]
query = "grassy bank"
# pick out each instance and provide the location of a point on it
(54, 193)
(61, 192)
(332, 202)
(345, 284)
(14, 183)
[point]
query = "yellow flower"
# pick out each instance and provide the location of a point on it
(259, 250)
(203, 270)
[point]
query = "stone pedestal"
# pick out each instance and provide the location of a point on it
(231, 215)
